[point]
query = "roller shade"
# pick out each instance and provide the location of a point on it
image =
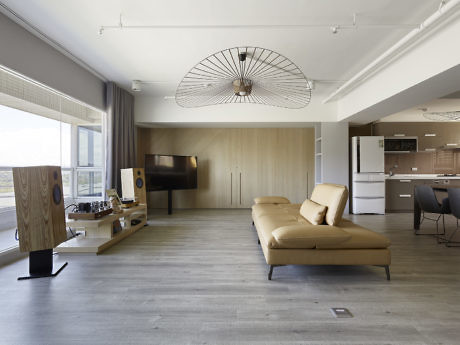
(19, 92)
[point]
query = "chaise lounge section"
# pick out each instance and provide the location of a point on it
(314, 233)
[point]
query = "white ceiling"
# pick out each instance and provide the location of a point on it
(165, 55)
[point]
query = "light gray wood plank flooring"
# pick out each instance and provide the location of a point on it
(199, 277)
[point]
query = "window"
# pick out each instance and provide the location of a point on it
(42, 127)
(27, 139)
(89, 161)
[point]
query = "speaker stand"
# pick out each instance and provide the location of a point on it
(169, 201)
(41, 265)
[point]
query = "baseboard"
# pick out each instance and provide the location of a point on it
(10, 255)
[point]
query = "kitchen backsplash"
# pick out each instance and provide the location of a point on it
(440, 162)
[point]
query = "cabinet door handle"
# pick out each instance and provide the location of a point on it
(240, 188)
(405, 181)
(231, 188)
(405, 195)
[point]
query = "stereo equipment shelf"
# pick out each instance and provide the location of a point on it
(130, 204)
(89, 215)
(99, 233)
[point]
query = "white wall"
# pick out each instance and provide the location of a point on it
(27, 54)
(334, 148)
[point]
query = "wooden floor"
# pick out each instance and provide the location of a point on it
(199, 277)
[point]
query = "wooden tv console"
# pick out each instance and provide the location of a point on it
(99, 233)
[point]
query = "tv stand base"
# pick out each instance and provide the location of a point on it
(169, 201)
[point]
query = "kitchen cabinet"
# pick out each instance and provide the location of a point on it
(399, 193)
(390, 129)
(431, 135)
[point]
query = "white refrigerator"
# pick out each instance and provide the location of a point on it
(368, 185)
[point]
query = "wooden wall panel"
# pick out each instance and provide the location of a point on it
(235, 164)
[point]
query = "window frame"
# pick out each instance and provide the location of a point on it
(77, 169)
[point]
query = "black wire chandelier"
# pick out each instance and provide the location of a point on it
(442, 116)
(245, 75)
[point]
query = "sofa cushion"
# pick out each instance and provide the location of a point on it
(271, 200)
(333, 196)
(259, 210)
(256, 208)
(313, 212)
(266, 224)
(290, 206)
(360, 238)
(307, 236)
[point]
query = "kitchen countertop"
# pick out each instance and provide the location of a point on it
(420, 177)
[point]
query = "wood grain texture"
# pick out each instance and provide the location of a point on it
(235, 164)
(99, 233)
(129, 188)
(40, 221)
(199, 277)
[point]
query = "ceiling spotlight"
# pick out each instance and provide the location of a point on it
(136, 86)
(334, 29)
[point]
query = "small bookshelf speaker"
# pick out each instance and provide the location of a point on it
(39, 207)
(133, 184)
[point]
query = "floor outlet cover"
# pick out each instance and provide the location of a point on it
(341, 312)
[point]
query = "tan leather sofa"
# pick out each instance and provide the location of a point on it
(314, 233)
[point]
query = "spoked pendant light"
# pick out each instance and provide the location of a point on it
(244, 75)
(443, 116)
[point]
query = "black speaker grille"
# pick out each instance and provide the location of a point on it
(57, 194)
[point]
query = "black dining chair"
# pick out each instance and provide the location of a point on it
(425, 197)
(454, 202)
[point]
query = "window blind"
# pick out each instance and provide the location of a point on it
(22, 93)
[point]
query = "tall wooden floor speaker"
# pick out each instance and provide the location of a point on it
(133, 184)
(40, 216)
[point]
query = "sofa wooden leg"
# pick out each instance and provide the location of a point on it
(258, 241)
(270, 272)
(387, 271)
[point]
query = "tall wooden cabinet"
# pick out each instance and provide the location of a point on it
(235, 164)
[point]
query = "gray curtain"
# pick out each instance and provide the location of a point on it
(120, 147)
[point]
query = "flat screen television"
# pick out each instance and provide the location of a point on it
(170, 172)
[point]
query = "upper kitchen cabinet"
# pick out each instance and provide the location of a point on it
(431, 135)
(451, 135)
(391, 129)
